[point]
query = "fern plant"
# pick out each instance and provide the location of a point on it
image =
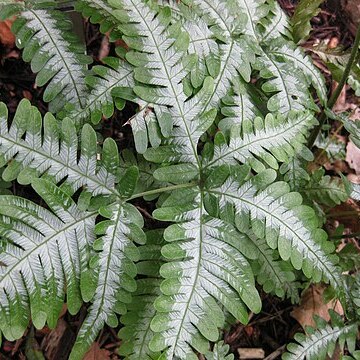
(225, 106)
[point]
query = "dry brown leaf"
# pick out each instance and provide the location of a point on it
(353, 157)
(312, 303)
(7, 38)
(104, 48)
(96, 353)
(251, 353)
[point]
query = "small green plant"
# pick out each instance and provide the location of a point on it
(225, 109)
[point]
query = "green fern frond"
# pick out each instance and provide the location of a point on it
(46, 148)
(146, 173)
(278, 216)
(284, 84)
(355, 193)
(137, 334)
(271, 140)
(161, 68)
(46, 37)
(276, 22)
(100, 12)
(227, 23)
(275, 276)
(335, 149)
(220, 352)
(355, 293)
(254, 12)
(238, 105)
(115, 270)
(304, 12)
(287, 52)
(326, 190)
(207, 266)
(353, 127)
(319, 343)
(336, 60)
(44, 252)
(104, 82)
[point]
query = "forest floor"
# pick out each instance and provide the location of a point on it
(268, 332)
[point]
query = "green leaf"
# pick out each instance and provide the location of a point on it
(115, 274)
(32, 235)
(304, 12)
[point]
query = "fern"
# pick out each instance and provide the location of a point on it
(304, 12)
(220, 352)
(100, 12)
(104, 82)
(274, 275)
(321, 342)
(43, 250)
(55, 54)
(137, 332)
(224, 110)
(36, 149)
(336, 60)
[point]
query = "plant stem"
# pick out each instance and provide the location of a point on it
(345, 236)
(337, 92)
(344, 214)
(161, 190)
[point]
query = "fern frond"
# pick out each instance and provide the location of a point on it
(220, 352)
(271, 140)
(335, 149)
(146, 172)
(284, 84)
(239, 105)
(237, 54)
(115, 271)
(136, 333)
(46, 148)
(104, 82)
(304, 12)
(161, 69)
(278, 216)
(353, 127)
(44, 252)
(319, 343)
(46, 37)
(285, 51)
(254, 12)
(207, 267)
(355, 193)
(274, 23)
(336, 60)
(355, 293)
(100, 12)
(275, 276)
(326, 190)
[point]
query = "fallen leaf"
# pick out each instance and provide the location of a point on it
(58, 343)
(96, 353)
(312, 303)
(251, 353)
(104, 48)
(353, 157)
(7, 38)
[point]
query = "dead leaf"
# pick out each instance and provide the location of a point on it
(58, 343)
(353, 156)
(7, 38)
(251, 353)
(312, 303)
(96, 353)
(104, 48)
